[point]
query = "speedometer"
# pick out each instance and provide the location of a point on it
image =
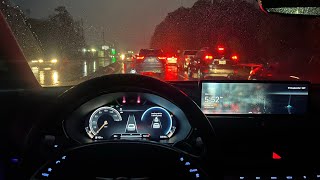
(100, 120)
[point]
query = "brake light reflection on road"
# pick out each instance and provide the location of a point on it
(236, 71)
(171, 73)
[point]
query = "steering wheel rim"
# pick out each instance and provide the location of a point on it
(87, 90)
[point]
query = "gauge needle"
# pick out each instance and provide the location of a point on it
(105, 123)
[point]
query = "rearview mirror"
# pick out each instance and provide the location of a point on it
(294, 7)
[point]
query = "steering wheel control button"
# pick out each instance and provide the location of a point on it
(14, 160)
(243, 178)
(197, 175)
(193, 170)
(289, 177)
(274, 177)
(45, 175)
(64, 157)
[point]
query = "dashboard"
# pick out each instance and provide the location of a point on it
(145, 116)
(149, 117)
(130, 116)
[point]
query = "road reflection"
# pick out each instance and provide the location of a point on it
(49, 74)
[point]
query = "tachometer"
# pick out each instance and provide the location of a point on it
(100, 120)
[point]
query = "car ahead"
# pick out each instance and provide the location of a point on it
(46, 64)
(128, 57)
(131, 127)
(213, 62)
(185, 58)
(150, 61)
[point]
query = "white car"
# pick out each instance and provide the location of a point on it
(156, 126)
(131, 127)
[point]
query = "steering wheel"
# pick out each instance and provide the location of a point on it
(123, 159)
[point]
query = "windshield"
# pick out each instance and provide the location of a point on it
(69, 41)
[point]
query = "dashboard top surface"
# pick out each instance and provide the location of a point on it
(286, 135)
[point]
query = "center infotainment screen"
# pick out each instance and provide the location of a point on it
(253, 98)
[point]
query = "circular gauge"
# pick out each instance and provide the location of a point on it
(159, 121)
(101, 119)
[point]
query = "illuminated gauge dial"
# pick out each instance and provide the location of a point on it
(158, 121)
(100, 120)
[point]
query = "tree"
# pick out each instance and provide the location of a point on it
(60, 35)
(242, 27)
(19, 26)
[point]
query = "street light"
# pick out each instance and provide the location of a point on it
(122, 56)
(105, 47)
(54, 61)
(93, 50)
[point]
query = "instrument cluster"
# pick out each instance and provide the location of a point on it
(130, 116)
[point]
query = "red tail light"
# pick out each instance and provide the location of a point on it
(140, 57)
(208, 57)
(220, 49)
(162, 58)
(234, 57)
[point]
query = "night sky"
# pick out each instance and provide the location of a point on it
(129, 22)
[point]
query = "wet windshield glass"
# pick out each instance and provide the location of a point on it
(69, 41)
